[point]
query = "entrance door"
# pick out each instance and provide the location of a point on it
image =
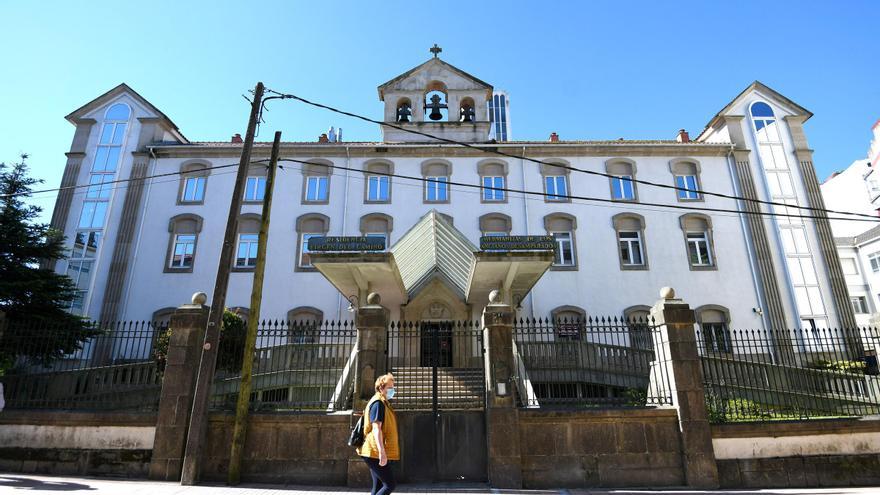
(440, 402)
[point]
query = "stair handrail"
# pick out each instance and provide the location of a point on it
(523, 384)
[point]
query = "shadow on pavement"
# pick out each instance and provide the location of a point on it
(41, 484)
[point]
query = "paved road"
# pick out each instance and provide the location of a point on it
(28, 484)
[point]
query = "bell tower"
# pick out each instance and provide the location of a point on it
(439, 99)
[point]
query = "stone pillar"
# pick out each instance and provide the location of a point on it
(372, 328)
(178, 386)
(677, 355)
(502, 416)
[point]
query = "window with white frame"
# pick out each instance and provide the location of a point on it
(255, 188)
(184, 230)
(193, 190)
(561, 227)
(687, 179)
(183, 251)
(713, 321)
(308, 226)
(378, 188)
(849, 266)
(246, 252)
(564, 248)
(316, 188)
(437, 189)
(687, 187)
(556, 187)
(377, 225)
(859, 304)
(630, 248)
(493, 188)
(874, 260)
(698, 238)
(622, 188)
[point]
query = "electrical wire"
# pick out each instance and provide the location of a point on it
(491, 150)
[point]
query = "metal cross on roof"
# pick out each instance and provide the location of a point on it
(435, 50)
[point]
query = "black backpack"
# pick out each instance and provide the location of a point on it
(356, 439)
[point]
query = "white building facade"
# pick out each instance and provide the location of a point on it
(143, 247)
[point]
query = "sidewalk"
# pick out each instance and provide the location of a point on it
(29, 484)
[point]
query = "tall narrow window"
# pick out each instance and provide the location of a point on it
(377, 181)
(183, 232)
(246, 246)
(493, 188)
(686, 174)
(555, 176)
(622, 174)
(698, 239)
(308, 226)
(436, 176)
(255, 189)
(377, 225)
(630, 248)
(859, 304)
(714, 321)
(630, 230)
(562, 226)
(493, 178)
(193, 181)
(316, 188)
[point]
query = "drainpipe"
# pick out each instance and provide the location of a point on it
(748, 238)
(344, 222)
(525, 200)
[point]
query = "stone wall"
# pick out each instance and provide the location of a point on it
(798, 454)
(282, 448)
(610, 448)
(81, 443)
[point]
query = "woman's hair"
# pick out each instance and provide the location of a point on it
(383, 380)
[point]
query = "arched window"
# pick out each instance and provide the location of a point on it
(255, 186)
(305, 324)
(638, 324)
(562, 226)
(700, 246)
(630, 230)
(377, 225)
(248, 236)
(436, 174)
(377, 181)
(568, 322)
(308, 226)
(316, 181)
(404, 110)
(764, 123)
(193, 182)
(118, 112)
(623, 172)
(436, 108)
(493, 178)
(686, 174)
(555, 179)
(495, 224)
(714, 322)
(184, 234)
(467, 110)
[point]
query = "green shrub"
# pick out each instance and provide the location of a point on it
(232, 335)
(842, 365)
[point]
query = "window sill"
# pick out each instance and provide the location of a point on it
(324, 202)
(493, 201)
(428, 202)
(562, 200)
(377, 201)
(694, 200)
(563, 268)
(178, 270)
(703, 268)
(190, 203)
(634, 268)
(245, 202)
(625, 200)
(243, 269)
(305, 269)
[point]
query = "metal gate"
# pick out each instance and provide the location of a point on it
(440, 400)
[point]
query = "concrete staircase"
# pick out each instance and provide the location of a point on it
(457, 388)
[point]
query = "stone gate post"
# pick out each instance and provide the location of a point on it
(676, 349)
(502, 416)
(372, 332)
(178, 385)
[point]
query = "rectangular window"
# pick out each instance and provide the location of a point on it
(556, 187)
(193, 190)
(246, 254)
(99, 187)
(92, 216)
(622, 188)
(874, 259)
(378, 187)
(255, 189)
(184, 249)
(80, 273)
(849, 266)
(687, 185)
(304, 259)
(630, 248)
(493, 188)
(564, 249)
(716, 337)
(699, 253)
(316, 188)
(86, 244)
(437, 189)
(859, 304)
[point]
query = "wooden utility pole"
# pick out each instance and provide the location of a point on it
(198, 421)
(250, 342)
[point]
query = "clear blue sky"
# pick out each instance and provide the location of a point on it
(587, 70)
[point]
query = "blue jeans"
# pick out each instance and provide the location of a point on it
(383, 478)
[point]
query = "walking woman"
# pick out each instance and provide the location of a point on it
(381, 448)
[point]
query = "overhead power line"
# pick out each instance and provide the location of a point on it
(495, 151)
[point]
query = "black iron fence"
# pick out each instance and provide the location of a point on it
(594, 362)
(436, 365)
(52, 366)
(299, 365)
(760, 375)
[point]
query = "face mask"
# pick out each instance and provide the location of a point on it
(390, 393)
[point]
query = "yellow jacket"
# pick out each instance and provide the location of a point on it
(389, 432)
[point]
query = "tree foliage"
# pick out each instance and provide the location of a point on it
(34, 299)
